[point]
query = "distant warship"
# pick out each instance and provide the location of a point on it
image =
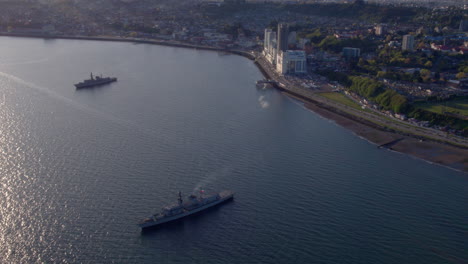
(182, 209)
(95, 81)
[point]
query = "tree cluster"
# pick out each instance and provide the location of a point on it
(331, 43)
(440, 119)
(397, 58)
(375, 91)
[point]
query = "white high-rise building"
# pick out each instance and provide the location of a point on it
(266, 41)
(408, 43)
(292, 62)
(269, 46)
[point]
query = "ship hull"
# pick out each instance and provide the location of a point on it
(152, 224)
(90, 85)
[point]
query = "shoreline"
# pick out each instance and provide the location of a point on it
(130, 40)
(430, 150)
(433, 152)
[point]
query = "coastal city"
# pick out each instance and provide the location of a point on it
(407, 63)
(233, 131)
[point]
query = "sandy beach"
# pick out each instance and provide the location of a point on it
(446, 155)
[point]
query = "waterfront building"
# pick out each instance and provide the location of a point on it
(271, 55)
(280, 66)
(349, 53)
(283, 37)
(269, 48)
(408, 43)
(267, 38)
(291, 62)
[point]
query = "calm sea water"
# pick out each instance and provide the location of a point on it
(80, 168)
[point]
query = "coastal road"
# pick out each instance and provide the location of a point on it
(296, 88)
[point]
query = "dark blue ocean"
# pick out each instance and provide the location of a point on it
(79, 168)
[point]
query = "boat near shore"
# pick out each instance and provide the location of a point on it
(95, 81)
(193, 205)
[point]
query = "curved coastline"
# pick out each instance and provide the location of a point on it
(431, 150)
(134, 40)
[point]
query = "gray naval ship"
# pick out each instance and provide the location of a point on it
(194, 205)
(95, 81)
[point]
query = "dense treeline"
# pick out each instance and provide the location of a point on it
(374, 90)
(369, 12)
(316, 36)
(234, 29)
(394, 57)
(364, 12)
(366, 87)
(449, 19)
(320, 38)
(392, 100)
(440, 120)
(331, 43)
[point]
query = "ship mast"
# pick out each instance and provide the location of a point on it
(180, 198)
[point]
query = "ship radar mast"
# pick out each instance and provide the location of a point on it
(180, 198)
(92, 78)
